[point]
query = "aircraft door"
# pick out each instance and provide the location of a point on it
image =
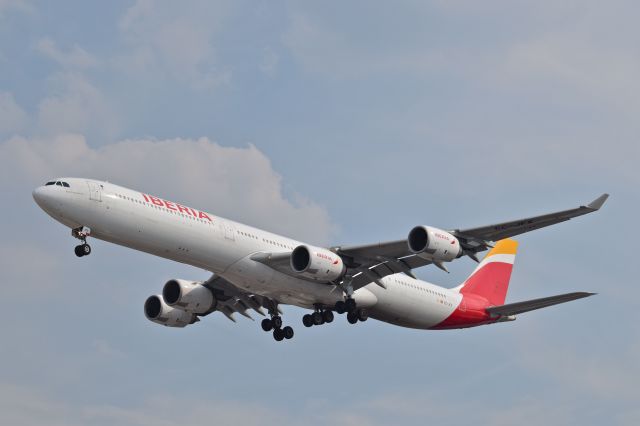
(229, 231)
(95, 191)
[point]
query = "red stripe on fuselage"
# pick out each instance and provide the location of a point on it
(470, 312)
(486, 287)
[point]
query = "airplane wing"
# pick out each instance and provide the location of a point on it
(372, 269)
(371, 262)
(503, 230)
(231, 299)
(385, 258)
(530, 305)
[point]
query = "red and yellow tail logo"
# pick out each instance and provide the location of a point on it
(491, 278)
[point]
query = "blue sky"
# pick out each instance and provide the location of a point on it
(334, 123)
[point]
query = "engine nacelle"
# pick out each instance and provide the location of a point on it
(159, 312)
(317, 263)
(189, 296)
(434, 244)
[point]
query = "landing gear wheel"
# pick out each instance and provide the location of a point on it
(278, 334)
(79, 250)
(267, 324)
(327, 316)
(317, 318)
(363, 315)
(81, 234)
(287, 332)
(82, 250)
(351, 305)
(352, 317)
(340, 307)
(277, 322)
(307, 320)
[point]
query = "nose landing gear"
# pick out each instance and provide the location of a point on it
(82, 233)
(83, 250)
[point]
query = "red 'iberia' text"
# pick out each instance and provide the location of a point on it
(175, 207)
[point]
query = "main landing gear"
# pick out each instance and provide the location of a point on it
(275, 323)
(319, 317)
(348, 305)
(354, 314)
(82, 233)
(325, 316)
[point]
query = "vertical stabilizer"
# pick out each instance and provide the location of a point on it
(491, 277)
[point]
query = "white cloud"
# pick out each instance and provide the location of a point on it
(12, 117)
(173, 40)
(76, 106)
(238, 183)
(77, 57)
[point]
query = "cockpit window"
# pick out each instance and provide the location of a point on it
(57, 183)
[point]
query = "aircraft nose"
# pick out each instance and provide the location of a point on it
(43, 197)
(38, 195)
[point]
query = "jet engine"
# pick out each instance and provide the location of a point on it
(434, 244)
(317, 263)
(188, 296)
(156, 310)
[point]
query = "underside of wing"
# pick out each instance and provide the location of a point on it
(355, 255)
(530, 305)
(369, 263)
(230, 299)
(367, 274)
(278, 261)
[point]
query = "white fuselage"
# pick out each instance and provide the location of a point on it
(183, 234)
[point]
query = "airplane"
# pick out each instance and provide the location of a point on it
(255, 270)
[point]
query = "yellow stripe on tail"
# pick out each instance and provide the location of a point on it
(506, 246)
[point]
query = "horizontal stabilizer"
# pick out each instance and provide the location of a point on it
(530, 305)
